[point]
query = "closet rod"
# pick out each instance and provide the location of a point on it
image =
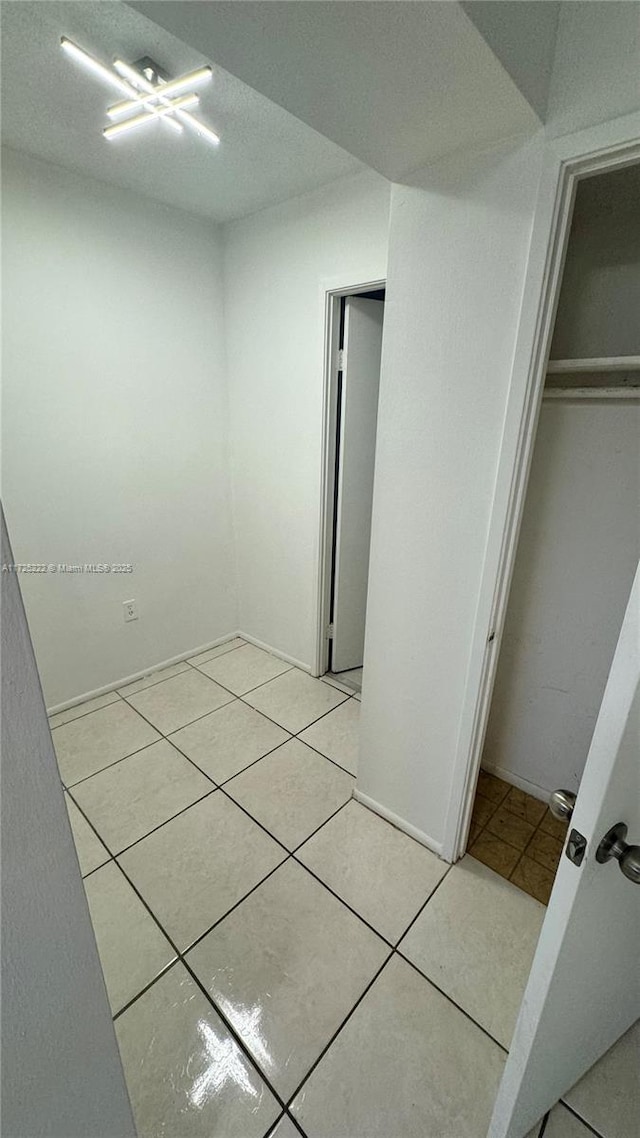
(600, 393)
(605, 363)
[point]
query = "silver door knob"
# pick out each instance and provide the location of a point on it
(614, 845)
(561, 804)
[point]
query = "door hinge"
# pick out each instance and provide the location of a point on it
(329, 632)
(341, 360)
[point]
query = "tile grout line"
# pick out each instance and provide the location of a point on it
(117, 691)
(423, 906)
(521, 852)
(575, 1114)
(543, 1124)
(215, 785)
(69, 785)
(451, 1000)
(234, 697)
(180, 959)
(336, 1033)
(290, 855)
(180, 956)
(84, 714)
(234, 1034)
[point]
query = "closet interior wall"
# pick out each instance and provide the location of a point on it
(580, 536)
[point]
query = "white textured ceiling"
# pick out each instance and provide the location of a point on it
(395, 83)
(54, 109)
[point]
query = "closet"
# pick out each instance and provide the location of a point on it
(580, 537)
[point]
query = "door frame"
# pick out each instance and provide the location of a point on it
(607, 147)
(332, 293)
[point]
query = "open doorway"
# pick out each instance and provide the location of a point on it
(355, 320)
(578, 547)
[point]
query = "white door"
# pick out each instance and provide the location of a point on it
(61, 1070)
(583, 991)
(356, 457)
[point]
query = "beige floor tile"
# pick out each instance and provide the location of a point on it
(492, 787)
(126, 801)
(285, 968)
(475, 940)
(407, 1064)
(608, 1097)
(534, 879)
(219, 650)
(351, 678)
(483, 810)
(524, 806)
(546, 849)
(186, 1075)
(244, 669)
(563, 1124)
(154, 678)
(179, 701)
(295, 700)
(229, 740)
(495, 853)
(382, 873)
(554, 826)
(337, 735)
(292, 791)
(131, 946)
(335, 683)
(81, 709)
(195, 868)
(510, 828)
(90, 850)
(285, 1129)
(87, 745)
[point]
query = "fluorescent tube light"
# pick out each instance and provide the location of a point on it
(199, 127)
(94, 65)
(153, 102)
(134, 76)
(172, 87)
(108, 75)
(118, 128)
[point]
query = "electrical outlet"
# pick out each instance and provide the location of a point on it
(130, 610)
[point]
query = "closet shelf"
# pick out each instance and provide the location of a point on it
(605, 363)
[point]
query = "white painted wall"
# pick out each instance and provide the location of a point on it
(115, 442)
(277, 264)
(577, 555)
(596, 73)
(61, 1071)
(523, 36)
(458, 246)
(599, 307)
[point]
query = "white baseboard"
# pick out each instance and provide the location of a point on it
(140, 675)
(515, 780)
(399, 823)
(120, 683)
(274, 651)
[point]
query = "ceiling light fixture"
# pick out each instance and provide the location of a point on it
(172, 87)
(118, 128)
(164, 100)
(94, 65)
(137, 78)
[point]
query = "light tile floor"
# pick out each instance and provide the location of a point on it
(352, 679)
(278, 959)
